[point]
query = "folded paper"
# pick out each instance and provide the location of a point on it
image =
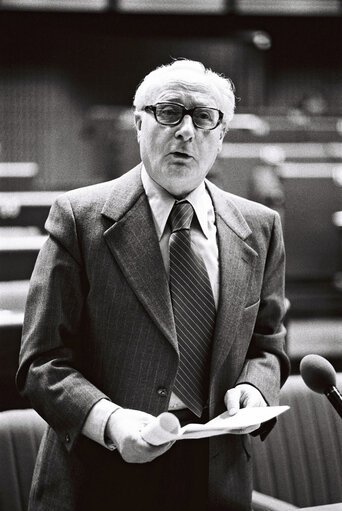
(166, 427)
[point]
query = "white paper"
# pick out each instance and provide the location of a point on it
(156, 434)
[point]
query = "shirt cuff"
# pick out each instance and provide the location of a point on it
(95, 424)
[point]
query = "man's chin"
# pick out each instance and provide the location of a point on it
(181, 190)
(178, 179)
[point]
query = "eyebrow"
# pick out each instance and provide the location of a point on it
(179, 102)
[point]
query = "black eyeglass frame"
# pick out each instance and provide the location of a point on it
(185, 111)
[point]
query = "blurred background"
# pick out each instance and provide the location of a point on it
(68, 73)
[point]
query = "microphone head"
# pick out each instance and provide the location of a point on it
(317, 373)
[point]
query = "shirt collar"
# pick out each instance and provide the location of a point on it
(161, 203)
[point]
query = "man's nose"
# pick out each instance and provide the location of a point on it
(186, 128)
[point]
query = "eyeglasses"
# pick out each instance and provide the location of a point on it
(172, 114)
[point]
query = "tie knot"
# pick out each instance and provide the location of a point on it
(181, 216)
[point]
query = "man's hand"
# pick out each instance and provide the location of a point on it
(124, 429)
(242, 396)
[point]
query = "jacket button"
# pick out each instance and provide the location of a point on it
(67, 438)
(162, 392)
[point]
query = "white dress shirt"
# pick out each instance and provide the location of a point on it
(203, 235)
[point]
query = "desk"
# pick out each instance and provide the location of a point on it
(330, 507)
(18, 255)
(10, 334)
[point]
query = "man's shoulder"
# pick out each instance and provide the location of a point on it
(246, 207)
(99, 193)
(251, 208)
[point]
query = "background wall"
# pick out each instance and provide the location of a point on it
(55, 67)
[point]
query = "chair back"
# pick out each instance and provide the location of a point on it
(301, 459)
(20, 435)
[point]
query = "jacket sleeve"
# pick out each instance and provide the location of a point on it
(267, 365)
(48, 371)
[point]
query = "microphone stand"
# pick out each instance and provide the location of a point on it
(335, 398)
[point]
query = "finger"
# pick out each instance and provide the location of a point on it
(244, 431)
(160, 449)
(139, 451)
(150, 452)
(166, 447)
(232, 400)
(250, 399)
(251, 396)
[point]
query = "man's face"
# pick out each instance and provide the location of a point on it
(179, 157)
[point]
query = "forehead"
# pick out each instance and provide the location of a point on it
(188, 92)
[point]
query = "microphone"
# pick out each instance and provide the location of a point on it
(320, 376)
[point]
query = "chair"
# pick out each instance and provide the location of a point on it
(300, 462)
(298, 465)
(20, 436)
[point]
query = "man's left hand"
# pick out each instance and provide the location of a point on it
(242, 396)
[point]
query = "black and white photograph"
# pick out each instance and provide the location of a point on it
(170, 255)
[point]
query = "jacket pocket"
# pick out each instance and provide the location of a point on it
(252, 306)
(249, 316)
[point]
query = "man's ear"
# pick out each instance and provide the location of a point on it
(220, 142)
(137, 123)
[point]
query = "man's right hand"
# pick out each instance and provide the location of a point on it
(124, 429)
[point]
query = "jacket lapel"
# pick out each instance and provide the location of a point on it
(134, 244)
(236, 263)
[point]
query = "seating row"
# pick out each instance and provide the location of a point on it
(298, 465)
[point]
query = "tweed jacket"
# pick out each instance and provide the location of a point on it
(99, 324)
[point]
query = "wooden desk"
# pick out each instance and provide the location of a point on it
(10, 334)
(330, 507)
(18, 255)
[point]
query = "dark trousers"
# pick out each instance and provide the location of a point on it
(177, 480)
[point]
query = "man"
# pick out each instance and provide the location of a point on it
(156, 291)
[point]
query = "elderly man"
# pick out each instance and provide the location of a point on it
(156, 291)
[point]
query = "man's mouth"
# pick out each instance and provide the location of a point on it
(183, 156)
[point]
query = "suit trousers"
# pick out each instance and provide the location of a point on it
(177, 480)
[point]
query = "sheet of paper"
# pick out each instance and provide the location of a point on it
(166, 427)
(225, 423)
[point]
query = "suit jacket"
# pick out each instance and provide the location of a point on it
(99, 324)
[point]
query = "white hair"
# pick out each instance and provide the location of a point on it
(188, 71)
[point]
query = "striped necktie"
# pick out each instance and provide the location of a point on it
(194, 311)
